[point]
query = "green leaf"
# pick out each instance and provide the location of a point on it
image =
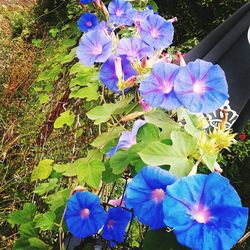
(106, 137)
(79, 81)
(43, 98)
(37, 243)
(209, 160)
(162, 120)
(161, 240)
(148, 133)
(58, 199)
(134, 158)
(42, 171)
(153, 5)
(46, 221)
(46, 187)
(53, 32)
(37, 42)
(22, 216)
(103, 113)
(22, 244)
(108, 175)
(69, 57)
(177, 155)
(119, 162)
(90, 92)
(65, 118)
(82, 70)
(68, 169)
(27, 230)
(91, 173)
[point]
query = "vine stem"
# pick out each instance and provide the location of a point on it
(195, 167)
(60, 226)
(244, 238)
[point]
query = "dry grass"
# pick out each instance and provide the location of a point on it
(18, 73)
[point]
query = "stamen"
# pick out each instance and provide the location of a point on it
(158, 195)
(85, 213)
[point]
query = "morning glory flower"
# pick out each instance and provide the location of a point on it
(115, 225)
(145, 194)
(157, 89)
(140, 16)
(84, 215)
(120, 12)
(128, 138)
(95, 46)
(86, 1)
(201, 86)
(205, 212)
(111, 70)
(157, 32)
(87, 21)
(133, 48)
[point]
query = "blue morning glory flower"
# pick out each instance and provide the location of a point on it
(157, 32)
(145, 194)
(133, 48)
(205, 212)
(86, 1)
(120, 12)
(95, 46)
(87, 21)
(201, 86)
(115, 225)
(158, 88)
(108, 72)
(128, 138)
(140, 16)
(84, 215)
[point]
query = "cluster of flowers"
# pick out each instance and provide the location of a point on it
(204, 211)
(85, 217)
(199, 86)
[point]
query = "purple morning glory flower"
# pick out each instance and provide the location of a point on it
(86, 1)
(87, 21)
(115, 225)
(133, 48)
(95, 46)
(201, 86)
(108, 72)
(158, 89)
(120, 12)
(140, 16)
(157, 32)
(128, 138)
(145, 194)
(84, 215)
(205, 212)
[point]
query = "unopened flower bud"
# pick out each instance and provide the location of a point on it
(180, 59)
(118, 68)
